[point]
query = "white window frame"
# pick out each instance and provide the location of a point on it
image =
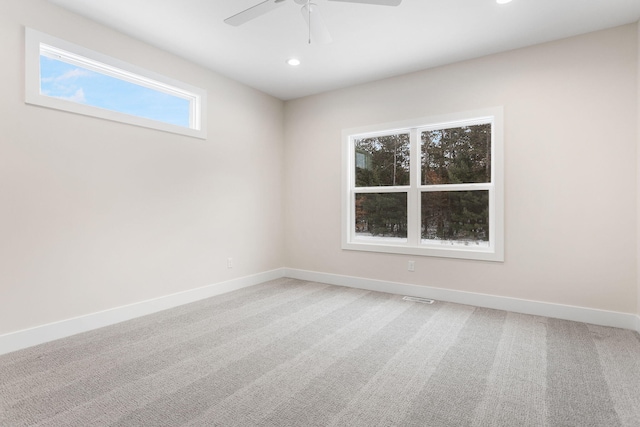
(37, 43)
(413, 246)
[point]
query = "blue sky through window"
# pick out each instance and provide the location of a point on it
(62, 80)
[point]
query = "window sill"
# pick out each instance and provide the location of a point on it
(479, 254)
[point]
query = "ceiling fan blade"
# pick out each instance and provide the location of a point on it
(253, 12)
(377, 2)
(317, 28)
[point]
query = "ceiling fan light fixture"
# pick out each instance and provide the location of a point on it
(317, 29)
(294, 62)
(503, 1)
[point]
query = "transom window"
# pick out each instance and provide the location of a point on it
(68, 77)
(426, 187)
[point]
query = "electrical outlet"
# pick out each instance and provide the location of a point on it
(411, 266)
(229, 262)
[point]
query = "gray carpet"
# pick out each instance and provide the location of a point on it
(293, 353)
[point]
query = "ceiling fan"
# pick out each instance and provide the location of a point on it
(318, 31)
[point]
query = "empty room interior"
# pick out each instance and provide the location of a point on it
(328, 213)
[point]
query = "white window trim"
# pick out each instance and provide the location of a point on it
(36, 41)
(495, 251)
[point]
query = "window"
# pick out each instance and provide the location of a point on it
(68, 77)
(432, 187)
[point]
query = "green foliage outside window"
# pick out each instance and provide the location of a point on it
(455, 215)
(460, 155)
(382, 214)
(382, 161)
(387, 161)
(456, 156)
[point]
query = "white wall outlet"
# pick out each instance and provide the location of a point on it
(411, 266)
(229, 262)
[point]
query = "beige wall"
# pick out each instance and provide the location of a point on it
(638, 170)
(96, 214)
(570, 149)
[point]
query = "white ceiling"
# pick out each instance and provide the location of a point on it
(369, 42)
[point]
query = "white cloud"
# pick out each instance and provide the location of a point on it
(71, 74)
(78, 97)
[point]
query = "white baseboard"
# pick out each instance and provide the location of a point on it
(53, 331)
(558, 311)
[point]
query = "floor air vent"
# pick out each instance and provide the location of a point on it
(417, 299)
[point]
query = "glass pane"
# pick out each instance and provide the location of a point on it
(381, 217)
(382, 160)
(455, 218)
(62, 80)
(457, 155)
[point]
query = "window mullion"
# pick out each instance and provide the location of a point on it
(413, 197)
(457, 187)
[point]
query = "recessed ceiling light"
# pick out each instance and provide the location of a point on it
(503, 1)
(294, 62)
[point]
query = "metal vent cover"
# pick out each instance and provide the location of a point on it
(418, 299)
